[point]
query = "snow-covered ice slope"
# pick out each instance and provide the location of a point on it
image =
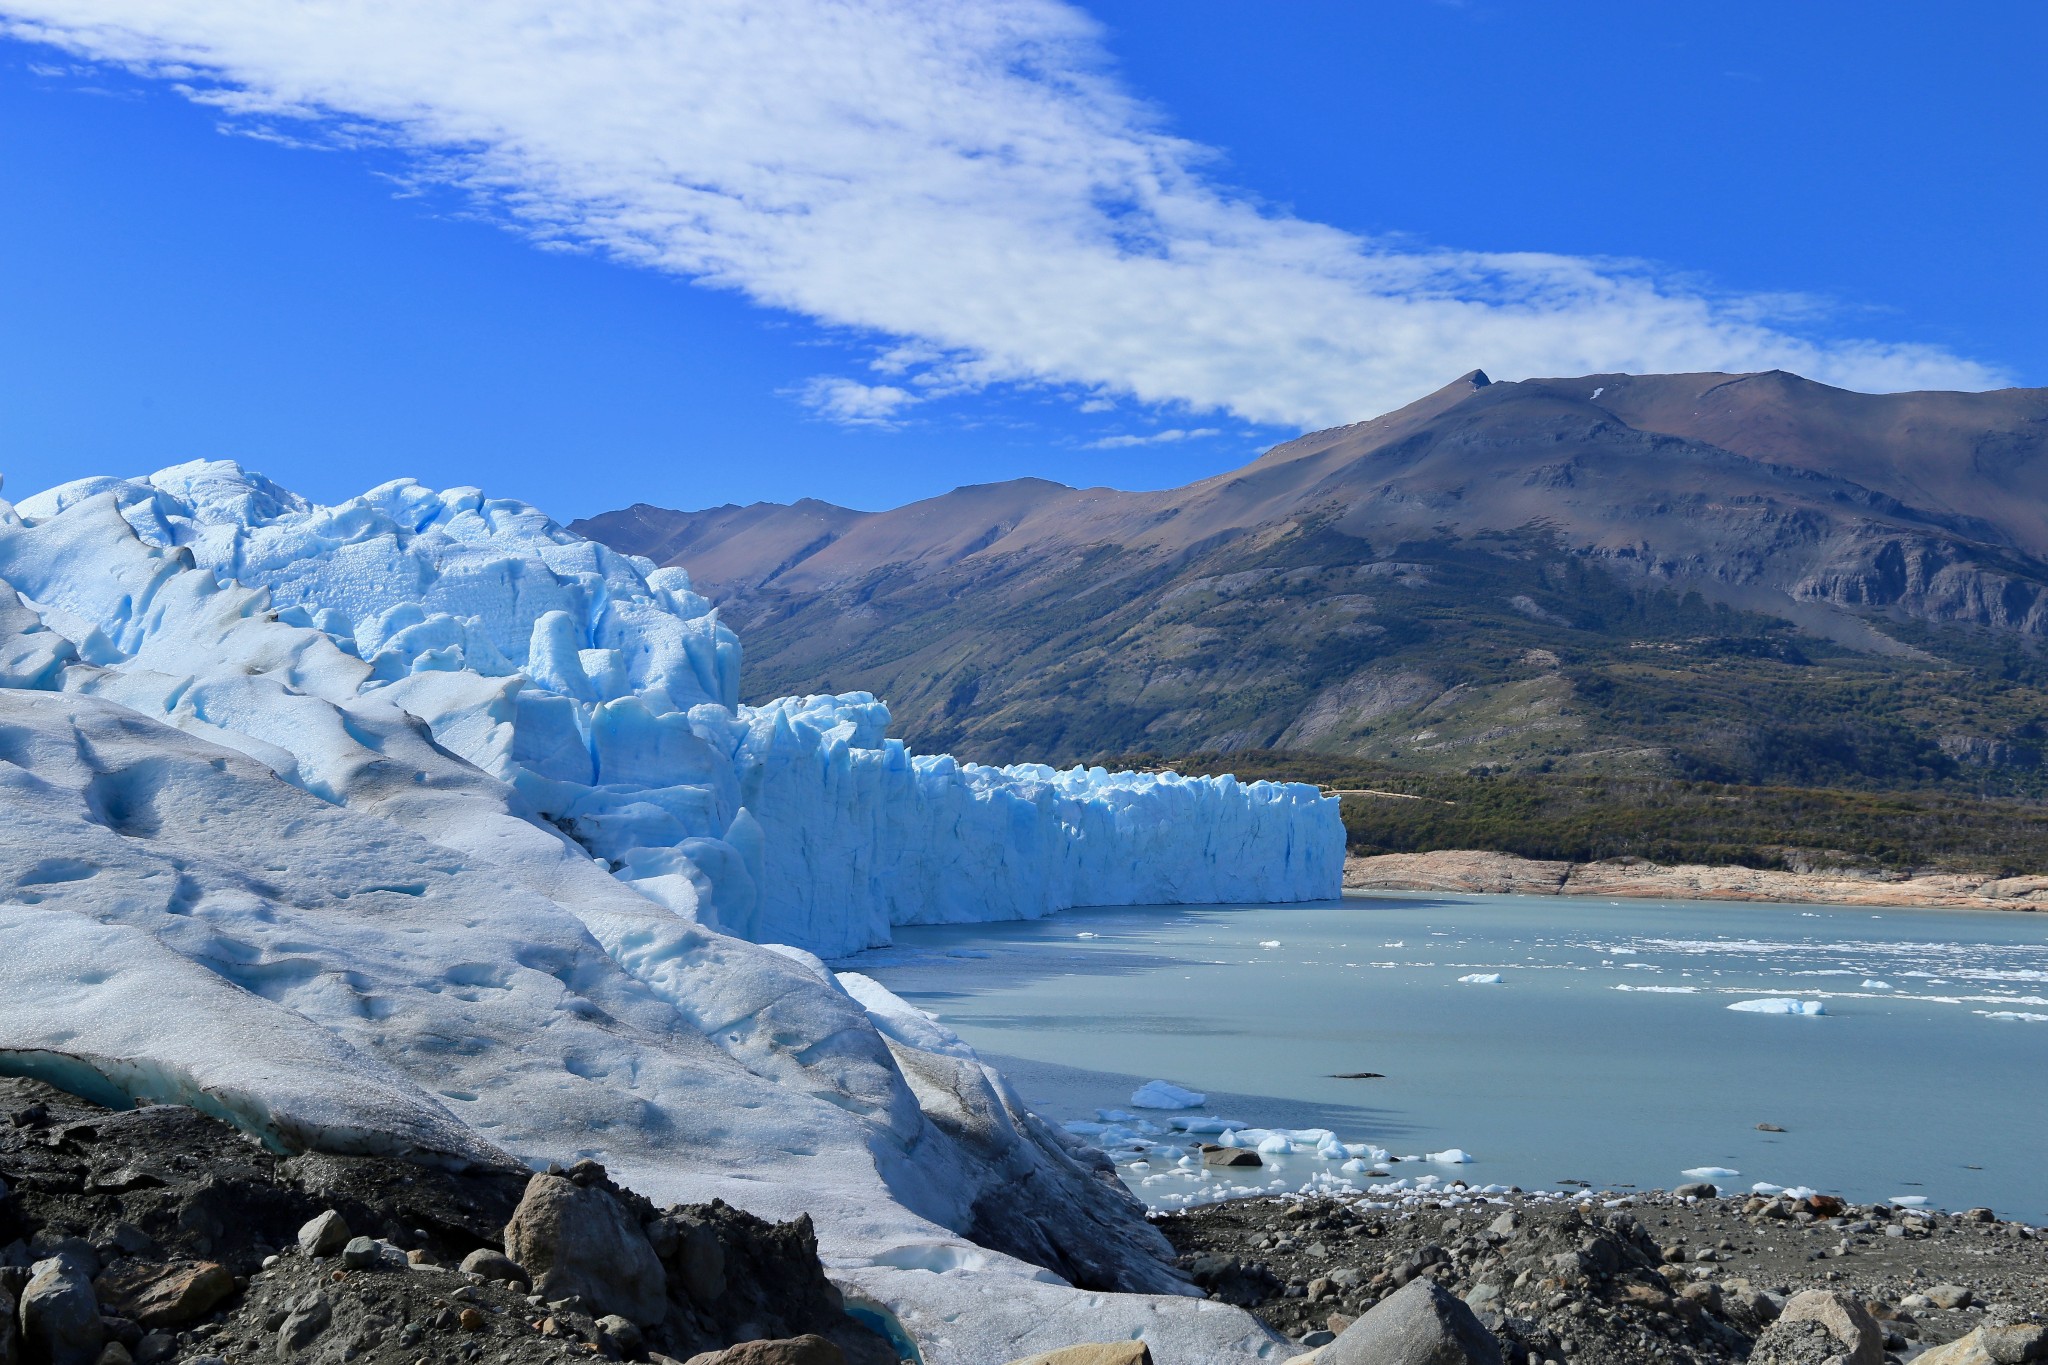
(235, 872)
(606, 692)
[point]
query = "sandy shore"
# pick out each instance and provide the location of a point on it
(1504, 874)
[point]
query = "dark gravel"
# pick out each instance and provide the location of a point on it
(1607, 1279)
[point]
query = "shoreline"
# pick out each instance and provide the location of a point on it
(1477, 872)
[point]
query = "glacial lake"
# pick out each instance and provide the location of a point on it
(1606, 1053)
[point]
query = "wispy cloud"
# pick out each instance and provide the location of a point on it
(1167, 436)
(852, 403)
(967, 184)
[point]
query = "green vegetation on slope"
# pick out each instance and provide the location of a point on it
(1584, 817)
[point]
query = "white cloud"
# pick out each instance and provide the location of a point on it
(1156, 438)
(852, 403)
(966, 184)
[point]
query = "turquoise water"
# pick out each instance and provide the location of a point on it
(1607, 1052)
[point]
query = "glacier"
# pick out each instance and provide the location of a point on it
(606, 693)
(415, 824)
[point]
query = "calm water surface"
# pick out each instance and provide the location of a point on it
(1607, 1053)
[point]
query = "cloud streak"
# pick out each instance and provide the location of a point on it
(967, 186)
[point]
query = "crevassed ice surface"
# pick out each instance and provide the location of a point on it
(605, 692)
(303, 864)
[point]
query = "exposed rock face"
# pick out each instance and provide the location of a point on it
(60, 1318)
(186, 1213)
(1421, 1323)
(1854, 1331)
(577, 1241)
(169, 1295)
(1504, 874)
(1093, 1353)
(804, 1350)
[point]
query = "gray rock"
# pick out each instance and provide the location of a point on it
(2017, 1344)
(493, 1265)
(10, 1339)
(1855, 1335)
(1507, 1225)
(1419, 1324)
(60, 1316)
(699, 1263)
(155, 1348)
(1699, 1189)
(325, 1235)
(360, 1254)
(625, 1336)
(114, 1353)
(1230, 1156)
(76, 1250)
(1950, 1296)
(307, 1319)
(579, 1240)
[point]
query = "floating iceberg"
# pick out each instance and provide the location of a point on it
(1710, 1173)
(1480, 979)
(1778, 1005)
(1451, 1156)
(1166, 1095)
(417, 825)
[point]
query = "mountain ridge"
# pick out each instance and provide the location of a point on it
(1491, 556)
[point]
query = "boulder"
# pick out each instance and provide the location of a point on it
(1093, 1353)
(10, 1339)
(1419, 1324)
(1854, 1333)
(60, 1316)
(625, 1338)
(578, 1240)
(803, 1350)
(1230, 1156)
(306, 1320)
(324, 1236)
(1950, 1296)
(1968, 1350)
(2017, 1344)
(360, 1253)
(493, 1265)
(114, 1353)
(164, 1295)
(1698, 1189)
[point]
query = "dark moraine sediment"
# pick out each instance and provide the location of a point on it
(1654, 1278)
(190, 1234)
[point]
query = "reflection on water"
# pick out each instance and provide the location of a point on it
(1606, 1051)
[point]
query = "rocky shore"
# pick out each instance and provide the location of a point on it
(158, 1236)
(1504, 874)
(1689, 1278)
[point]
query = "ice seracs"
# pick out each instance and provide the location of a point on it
(605, 692)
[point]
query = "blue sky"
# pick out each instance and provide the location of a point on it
(870, 249)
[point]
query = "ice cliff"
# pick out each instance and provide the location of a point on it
(606, 693)
(415, 824)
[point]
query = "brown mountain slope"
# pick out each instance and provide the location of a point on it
(1661, 571)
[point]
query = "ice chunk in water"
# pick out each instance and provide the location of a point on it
(1480, 979)
(1779, 1005)
(1709, 1173)
(1166, 1095)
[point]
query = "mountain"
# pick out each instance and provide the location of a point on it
(1751, 578)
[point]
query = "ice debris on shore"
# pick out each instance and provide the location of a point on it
(606, 693)
(1779, 1005)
